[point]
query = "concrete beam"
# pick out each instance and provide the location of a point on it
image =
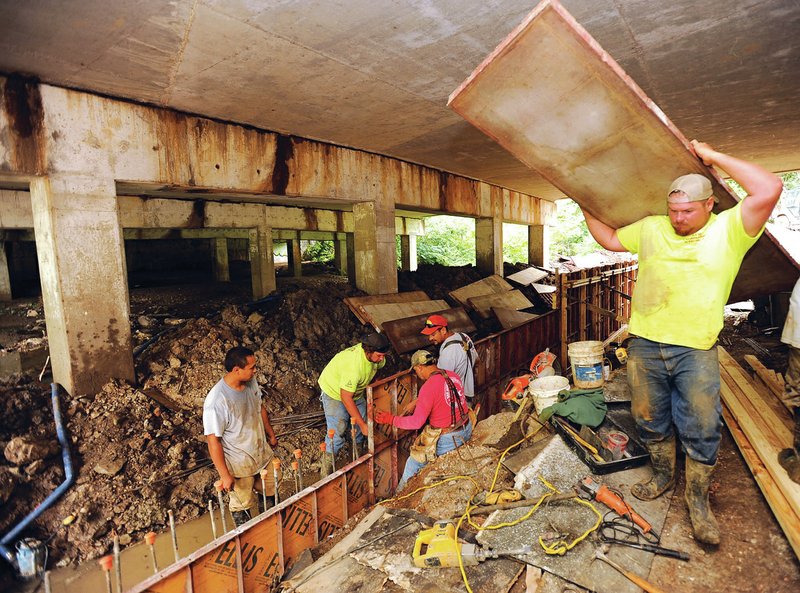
(84, 291)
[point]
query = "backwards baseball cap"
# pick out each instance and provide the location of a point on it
(422, 357)
(434, 323)
(692, 187)
(377, 343)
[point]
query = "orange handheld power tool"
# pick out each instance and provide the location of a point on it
(601, 493)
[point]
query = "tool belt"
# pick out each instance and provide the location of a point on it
(462, 422)
(423, 449)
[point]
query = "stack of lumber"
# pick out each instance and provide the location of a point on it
(483, 295)
(761, 427)
(378, 309)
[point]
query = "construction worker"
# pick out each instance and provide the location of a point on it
(688, 260)
(343, 383)
(442, 405)
(790, 458)
(456, 351)
(236, 426)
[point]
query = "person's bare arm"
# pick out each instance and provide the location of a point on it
(273, 440)
(218, 457)
(605, 235)
(762, 187)
(352, 409)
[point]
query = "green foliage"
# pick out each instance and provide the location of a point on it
(515, 243)
(319, 251)
(448, 241)
(570, 235)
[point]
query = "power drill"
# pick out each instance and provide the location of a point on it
(438, 546)
(601, 493)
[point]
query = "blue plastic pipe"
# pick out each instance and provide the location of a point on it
(69, 478)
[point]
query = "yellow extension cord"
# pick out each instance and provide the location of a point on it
(558, 548)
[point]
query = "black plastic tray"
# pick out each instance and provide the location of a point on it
(618, 418)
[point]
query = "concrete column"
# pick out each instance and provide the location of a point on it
(262, 263)
(489, 245)
(408, 253)
(222, 271)
(375, 248)
(79, 246)
(295, 255)
(5, 277)
(539, 245)
(345, 255)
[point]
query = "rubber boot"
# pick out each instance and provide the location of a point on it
(662, 457)
(240, 517)
(790, 458)
(704, 524)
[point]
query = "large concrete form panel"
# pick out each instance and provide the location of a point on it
(557, 101)
(177, 582)
(299, 528)
(217, 570)
(357, 489)
(261, 555)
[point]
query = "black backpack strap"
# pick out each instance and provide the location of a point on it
(455, 400)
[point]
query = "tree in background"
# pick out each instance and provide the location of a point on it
(570, 235)
(448, 241)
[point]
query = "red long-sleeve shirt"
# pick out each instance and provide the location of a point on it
(433, 404)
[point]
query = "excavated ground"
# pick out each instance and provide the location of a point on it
(136, 458)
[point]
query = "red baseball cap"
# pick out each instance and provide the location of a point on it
(434, 323)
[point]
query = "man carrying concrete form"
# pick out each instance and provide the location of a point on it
(456, 351)
(236, 426)
(442, 405)
(790, 458)
(688, 261)
(344, 382)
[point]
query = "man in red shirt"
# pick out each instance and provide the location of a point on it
(441, 404)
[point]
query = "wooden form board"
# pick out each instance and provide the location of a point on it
(769, 378)
(377, 315)
(488, 285)
(766, 435)
(404, 333)
(510, 299)
(509, 318)
(552, 97)
(401, 297)
(527, 276)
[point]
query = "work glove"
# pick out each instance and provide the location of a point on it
(383, 417)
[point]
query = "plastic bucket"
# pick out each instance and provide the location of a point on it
(586, 359)
(545, 391)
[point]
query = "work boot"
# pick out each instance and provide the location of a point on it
(790, 458)
(704, 524)
(662, 457)
(240, 517)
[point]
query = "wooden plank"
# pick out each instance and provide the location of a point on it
(527, 276)
(544, 288)
(401, 297)
(776, 388)
(509, 318)
(404, 333)
(552, 97)
(162, 398)
(787, 518)
(377, 315)
(512, 299)
(488, 285)
(763, 431)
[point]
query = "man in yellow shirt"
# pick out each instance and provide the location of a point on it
(688, 261)
(344, 382)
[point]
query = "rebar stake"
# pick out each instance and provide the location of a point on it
(213, 519)
(276, 466)
(353, 436)
(324, 468)
(263, 473)
(105, 563)
(221, 501)
(174, 534)
(296, 469)
(298, 454)
(150, 538)
(117, 565)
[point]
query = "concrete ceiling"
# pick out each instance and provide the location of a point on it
(376, 74)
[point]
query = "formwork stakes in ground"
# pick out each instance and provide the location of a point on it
(150, 539)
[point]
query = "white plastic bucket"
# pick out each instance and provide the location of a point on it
(586, 359)
(545, 391)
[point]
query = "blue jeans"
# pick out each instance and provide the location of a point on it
(338, 418)
(676, 385)
(447, 442)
